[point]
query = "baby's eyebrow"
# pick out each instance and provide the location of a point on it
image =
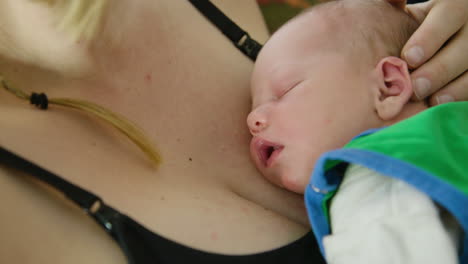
(273, 77)
(280, 75)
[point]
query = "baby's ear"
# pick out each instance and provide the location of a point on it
(393, 89)
(401, 4)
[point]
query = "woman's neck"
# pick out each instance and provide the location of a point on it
(29, 36)
(144, 61)
(156, 70)
(133, 40)
(152, 65)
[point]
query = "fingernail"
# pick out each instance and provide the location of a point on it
(422, 87)
(414, 55)
(441, 99)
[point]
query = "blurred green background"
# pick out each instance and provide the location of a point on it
(276, 12)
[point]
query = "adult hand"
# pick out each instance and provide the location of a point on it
(438, 50)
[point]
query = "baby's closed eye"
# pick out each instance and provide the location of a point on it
(284, 90)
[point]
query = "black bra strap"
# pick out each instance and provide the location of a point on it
(106, 216)
(237, 35)
(81, 197)
(84, 199)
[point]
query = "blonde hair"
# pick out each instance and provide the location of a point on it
(82, 19)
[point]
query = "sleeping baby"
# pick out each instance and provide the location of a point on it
(333, 118)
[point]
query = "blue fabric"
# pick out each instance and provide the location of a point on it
(323, 182)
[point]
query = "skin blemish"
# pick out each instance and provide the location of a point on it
(148, 77)
(162, 198)
(245, 210)
(190, 159)
(222, 148)
(214, 236)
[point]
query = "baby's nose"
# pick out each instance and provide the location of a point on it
(256, 122)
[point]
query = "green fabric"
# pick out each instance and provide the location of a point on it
(435, 140)
(326, 204)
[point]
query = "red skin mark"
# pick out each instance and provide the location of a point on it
(245, 210)
(148, 77)
(214, 236)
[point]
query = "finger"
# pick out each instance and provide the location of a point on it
(419, 11)
(436, 29)
(444, 67)
(455, 91)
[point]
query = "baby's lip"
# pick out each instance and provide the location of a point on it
(265, 151)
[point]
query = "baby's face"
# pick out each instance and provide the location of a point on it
(304, 103)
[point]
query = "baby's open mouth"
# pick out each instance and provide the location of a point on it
(266, 151)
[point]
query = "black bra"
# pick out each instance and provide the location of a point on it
(139, 244)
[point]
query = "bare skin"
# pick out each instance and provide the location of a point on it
(188, 89)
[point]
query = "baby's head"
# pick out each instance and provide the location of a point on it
(324, 77)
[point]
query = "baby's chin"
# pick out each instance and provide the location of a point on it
(294, 183)
(289, 181)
